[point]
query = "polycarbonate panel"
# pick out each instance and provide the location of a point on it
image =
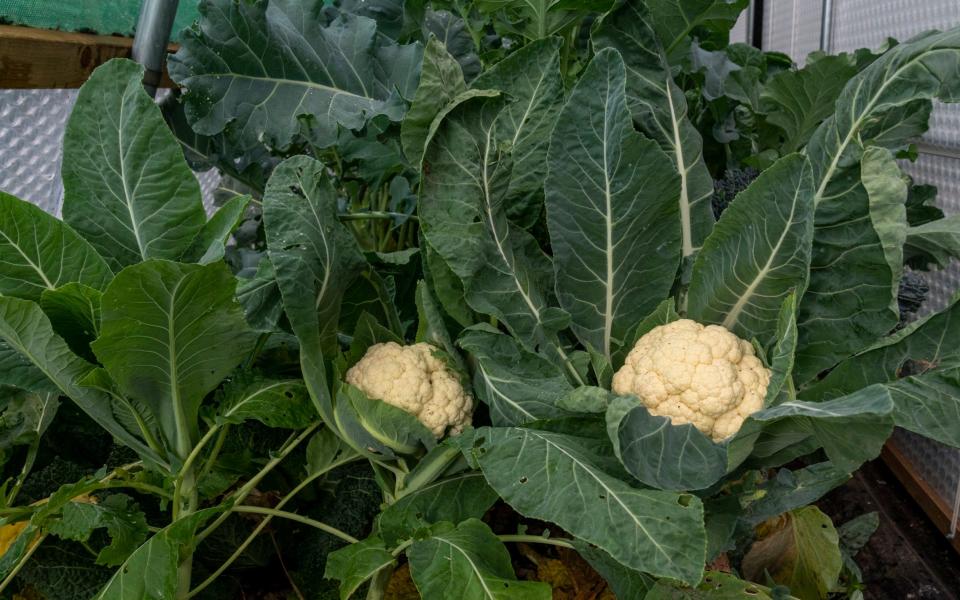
(792, 27)
(32, 123)
(738, 35)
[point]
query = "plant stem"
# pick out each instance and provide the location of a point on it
(20, 563)
(248, 487)
(262, 524)
(214, 452)
(291, 516)
(27, 466)
(257, 348)
(427, 471)
(188, 467)
(536, 539)
(379, 582)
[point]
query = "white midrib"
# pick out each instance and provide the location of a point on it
(608, 218)
(493, 228)
(685, 225)
(134, 224)
(259, 392)
(855, 128)
(494, 389)
(32, 264)
(328, 266)
(734, 315)
(183, 438)
(486, 590)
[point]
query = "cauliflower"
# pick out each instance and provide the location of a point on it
(703, 375)
(414, 380)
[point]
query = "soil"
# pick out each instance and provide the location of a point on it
(907, 557)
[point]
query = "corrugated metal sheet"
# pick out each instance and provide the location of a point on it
(792, 27)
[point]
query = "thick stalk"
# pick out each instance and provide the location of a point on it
(379, 582)
(27, 466)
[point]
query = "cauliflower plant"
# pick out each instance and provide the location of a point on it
(704, 375)
(414, 380)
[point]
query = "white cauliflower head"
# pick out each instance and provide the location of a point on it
(703, 375)
(414, 380)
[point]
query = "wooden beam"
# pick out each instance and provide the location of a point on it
(928, 498)
(41, 58)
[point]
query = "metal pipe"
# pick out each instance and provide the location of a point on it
(151, 39)
(826, 25)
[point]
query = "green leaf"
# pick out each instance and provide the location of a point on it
(855, 533)
(929, 404)
(456, 35)
(662, 455)
(538, 19)
(782, 352)
(150, 573)
(211, 240)
(468, 562)
(315, 256)
(323, 449)
(625, 582)
(851, 429)
(296, 74)
(441, 80)
(171, 333)
(117, 513)
(797, 101)
(504, 272)
(848, 303)
(38, 252)
(17, 371)
(922, 345)
(26, 330)
(800, 550)
(554, 477)
(517, 385)
(530, 77)
(260, 297)
(25, 416)
(356, 563)
(660, 110)
(275, 403)
(126, 186)
(715, 586)
(378, 427)
(454, 499)
(937, 240)
(367, 333)
(446, 286)
(430, 325)
(757, 254)
(616, 246)
(74, 313)
(674, 20)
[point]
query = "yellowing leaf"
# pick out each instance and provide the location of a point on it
(799, 549)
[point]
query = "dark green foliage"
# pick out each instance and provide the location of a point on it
(46, 480)
(911, 295)
(63, 570)
(725, 190)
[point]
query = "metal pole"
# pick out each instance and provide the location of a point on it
(826, 25)
(756, 20)
(151, 39)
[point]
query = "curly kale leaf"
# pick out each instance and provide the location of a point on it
(725, 190)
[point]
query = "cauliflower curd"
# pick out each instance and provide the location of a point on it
(703, 375)
(414, 380)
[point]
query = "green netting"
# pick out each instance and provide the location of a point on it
(105, 17)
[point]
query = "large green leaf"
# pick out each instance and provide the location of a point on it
(17, 371)
(269, 71)
(315, 256)
(504, 271)
(26, 330)
(716, 585)
(847, 305)
(660, 109)
(25, 416)
(530, 77)
(537, 19)
(788, 490)
(118, 514)
(260, 297)
(274, 402)
(782, 352)
(171, 332)
(74, 312)
(611, 197)
(851, 300)
(517, 385)
(797, 101)
(38, 252)
(356, 563)
(554, 477)
(929, 404)
(923, 345)
(757, 254)
(211, 240)
(468, 562)
(675, 20)
(625, 582)
(660, 454)
(126, 186)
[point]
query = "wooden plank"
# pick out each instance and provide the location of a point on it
(39, 58)
(928, 498)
